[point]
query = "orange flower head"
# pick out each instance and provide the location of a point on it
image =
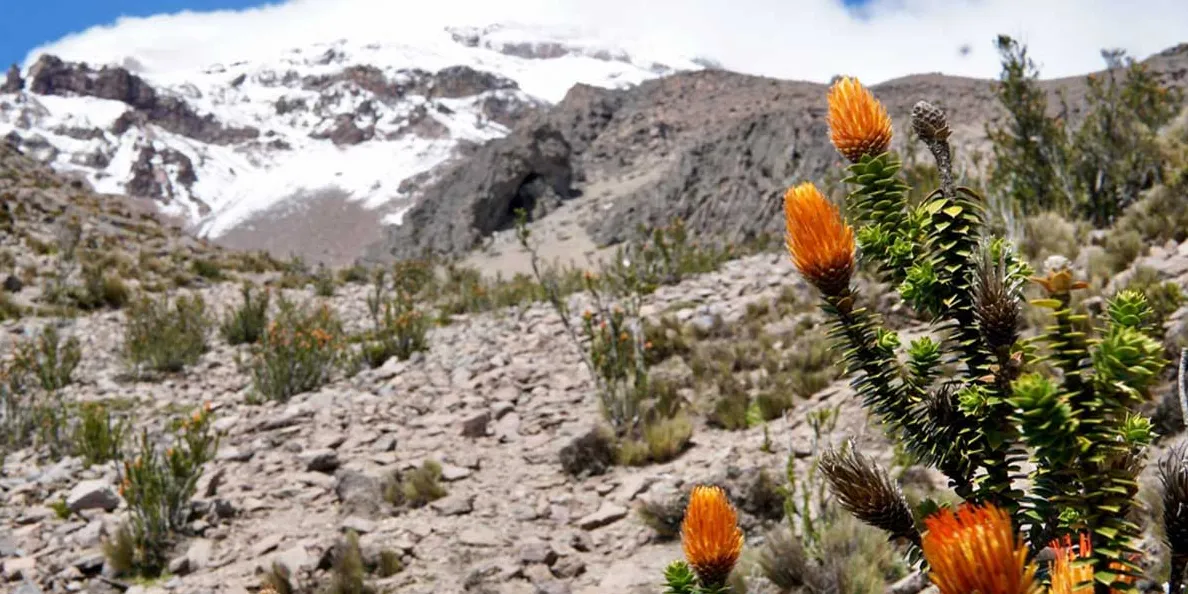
(710, 535)
(1071, 574)
(858, 123)
(975, 549)
(819, 241)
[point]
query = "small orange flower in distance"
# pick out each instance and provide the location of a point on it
(1070, 574)
(858, 123)
(975, 549)
(819, 241)
(710, 535)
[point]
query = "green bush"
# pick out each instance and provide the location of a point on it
(248, 322)
(98, 437)
(49, 359)
(298, 353)
(165, 336)
(157, 486)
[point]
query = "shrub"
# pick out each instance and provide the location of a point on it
(100, 289)
(417, 487)
(165, 336)
(247, 323)
(30, 417)
(157, 487)
(98, 437)
(399, 332)
(49, 359)
(298, 353)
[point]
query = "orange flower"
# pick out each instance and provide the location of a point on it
(975, 549)
(1072, 572)
(819, 241)
(1059, 282)
(710, 535)
(858, 123)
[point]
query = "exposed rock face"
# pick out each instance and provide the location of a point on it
(719, 148)
(148, 174)
(51, 76)
(464, 81)
(13, 83)
(520, 171)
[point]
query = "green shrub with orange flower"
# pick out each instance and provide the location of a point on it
(1064, 403)
(157, 485)
(299, 352)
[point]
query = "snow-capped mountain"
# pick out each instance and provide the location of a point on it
(226, 142)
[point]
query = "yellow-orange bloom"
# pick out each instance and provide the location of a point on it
(975, 549)
(819, 241)
(858, 123)
(1070, 573)
(710, 535)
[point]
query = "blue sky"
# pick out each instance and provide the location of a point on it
(27, 24)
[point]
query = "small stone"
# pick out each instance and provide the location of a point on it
(12, 284)
(179, 566)
(569, 567)
(295, 558)
(537, 552)
(235, 454)
(358, 525)
(476, 426)
(199, 553)
(480, 536)
(320, 460)
(20, 567)
(608, 513)
(93, 494)
(454, 505)
(451, 473)
(27, 588)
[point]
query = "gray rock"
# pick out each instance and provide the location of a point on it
(454, 505)
(358, 525)
(320, 460)
(569, 567)
(27, 588)
(199, 553)
(480, 536)
(93, 494)
(359, 494)
(537, 552)
(476, 426)
(608, 513)
(529, 168)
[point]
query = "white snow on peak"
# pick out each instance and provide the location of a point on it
(390, 128)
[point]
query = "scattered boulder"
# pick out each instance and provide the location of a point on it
(92, 494)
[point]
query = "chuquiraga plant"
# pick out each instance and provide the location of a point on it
(400, 327)
(158, 486)
(647, 421)
(298, 352)
(1065, 400)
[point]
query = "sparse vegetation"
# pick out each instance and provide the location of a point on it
(416, 487)
(98, 436)
(157, 486)
(247, 323)
(164, 335)
(298, 353)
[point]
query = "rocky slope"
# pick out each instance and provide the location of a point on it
(714, 147)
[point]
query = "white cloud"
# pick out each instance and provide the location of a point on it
(796, 39)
